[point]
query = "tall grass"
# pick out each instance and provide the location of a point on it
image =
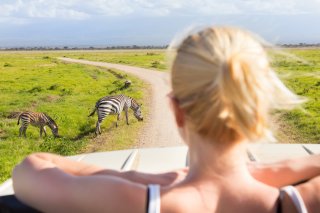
(298, 68)
(67, 92)
(300, 71)
(152, 59)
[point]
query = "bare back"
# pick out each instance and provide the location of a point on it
(220, 197)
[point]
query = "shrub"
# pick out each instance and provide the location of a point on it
(7, 65)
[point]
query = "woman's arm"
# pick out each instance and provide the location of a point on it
(44, 186)
(163, 179)
(83, 169)
(287, 172)
(52, 183)
(302, 172)
(309, 192)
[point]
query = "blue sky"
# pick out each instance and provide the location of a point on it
(142, 22)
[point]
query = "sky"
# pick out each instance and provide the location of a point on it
(154, 22)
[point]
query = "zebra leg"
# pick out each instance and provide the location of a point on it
(126, 111)
(98, 128)
(118, 118)
(41, 130)
(20, 130)
(45, 131)
(24, 131)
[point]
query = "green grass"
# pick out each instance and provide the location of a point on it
(151, 59)
(67, 92)
(36, 81)
(300, 71)
(298, 68)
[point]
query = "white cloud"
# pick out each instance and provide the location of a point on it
(13, 21)
(272, 7)
(106, 7)
(34, 12)
(251, 6)
(6, 9)
(84, 9)
(25, 9)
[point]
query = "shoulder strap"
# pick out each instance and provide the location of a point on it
(153, 202)
(279, 204)
(295, 196)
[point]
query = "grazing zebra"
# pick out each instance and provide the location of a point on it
(114, 105)
(38, 119)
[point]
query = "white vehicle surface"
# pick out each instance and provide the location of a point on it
(154, 160)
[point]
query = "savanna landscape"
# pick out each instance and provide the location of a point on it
(38, 81)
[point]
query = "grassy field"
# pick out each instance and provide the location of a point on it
(298, 68)
(67, 92)
(36, 81)
(152, 59)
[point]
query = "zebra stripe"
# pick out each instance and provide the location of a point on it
(114, 105)
(37, 119)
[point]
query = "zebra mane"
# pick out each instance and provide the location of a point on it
(134, 103)
(50, 119)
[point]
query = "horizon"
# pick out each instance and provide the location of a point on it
(35, 23)
(127, 47)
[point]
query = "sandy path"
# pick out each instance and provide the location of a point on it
(160, 129)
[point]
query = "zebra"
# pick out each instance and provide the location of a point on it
(37, 119)
(111, 105)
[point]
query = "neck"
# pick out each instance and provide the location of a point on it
(133, 103)
(50, 125)
(212, 159)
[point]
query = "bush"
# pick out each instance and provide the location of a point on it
(7, 65)
(53, 87)
(155, 64)
(35, 89)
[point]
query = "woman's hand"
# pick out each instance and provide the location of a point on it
(286, 172)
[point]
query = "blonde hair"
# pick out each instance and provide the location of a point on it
(222, 79)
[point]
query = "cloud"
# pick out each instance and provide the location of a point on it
(278, 7)
(7, 9)
(86, 9)
(34, 12)
(25, 9)
(13, 21)
(226, 7)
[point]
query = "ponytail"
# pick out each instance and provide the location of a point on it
(223, 81)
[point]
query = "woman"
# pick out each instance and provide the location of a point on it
(222, 91)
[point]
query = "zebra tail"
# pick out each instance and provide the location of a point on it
(92, 113)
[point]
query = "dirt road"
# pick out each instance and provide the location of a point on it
(160, 129)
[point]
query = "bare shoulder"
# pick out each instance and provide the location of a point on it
(210, 198)
(310, 194)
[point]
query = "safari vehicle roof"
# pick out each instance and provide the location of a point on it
(161, 159)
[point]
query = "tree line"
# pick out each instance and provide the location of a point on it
(124, 47)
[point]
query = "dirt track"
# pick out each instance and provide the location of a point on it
(160, 129)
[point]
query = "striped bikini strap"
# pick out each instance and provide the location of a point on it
(295, 196)
(153, 198)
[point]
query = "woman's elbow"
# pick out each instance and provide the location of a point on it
(24, 172)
